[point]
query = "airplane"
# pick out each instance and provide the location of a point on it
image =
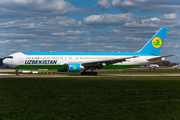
(176, 66)
(83, 61)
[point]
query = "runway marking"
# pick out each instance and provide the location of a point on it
(5, 74)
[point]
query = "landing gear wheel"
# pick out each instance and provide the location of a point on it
(87, 73)
(83, 73)
(94, 73)
(17, 74)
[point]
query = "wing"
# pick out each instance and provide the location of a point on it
(159, 58)
(107, 62)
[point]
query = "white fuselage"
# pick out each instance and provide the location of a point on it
(22, 59)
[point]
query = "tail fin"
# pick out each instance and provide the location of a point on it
(154, 45)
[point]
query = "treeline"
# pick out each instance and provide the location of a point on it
(167, 63)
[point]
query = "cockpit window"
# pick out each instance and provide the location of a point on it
(10, 57)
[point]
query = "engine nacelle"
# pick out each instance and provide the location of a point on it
(74, 67)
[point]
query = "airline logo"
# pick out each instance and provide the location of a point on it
(40, 62)
(157, 42)
(74, 67)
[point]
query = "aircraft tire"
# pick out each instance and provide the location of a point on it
(87, 73)
(83, 73)
(91, 73)
(94, 73)
(17, 74)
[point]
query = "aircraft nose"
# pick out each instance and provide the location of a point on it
(4, 61)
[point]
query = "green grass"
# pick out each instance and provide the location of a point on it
(90, 98)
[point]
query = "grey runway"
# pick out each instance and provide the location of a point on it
(100, 75)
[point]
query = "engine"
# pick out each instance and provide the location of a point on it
(74, 67)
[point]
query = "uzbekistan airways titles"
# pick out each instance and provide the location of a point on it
(40, 62)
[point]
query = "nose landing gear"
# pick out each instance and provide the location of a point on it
(17, 73)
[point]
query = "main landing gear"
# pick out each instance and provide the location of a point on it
(17, 73)
(88, 73)
(92, 68)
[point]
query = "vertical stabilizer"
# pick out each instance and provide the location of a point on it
(154, 45)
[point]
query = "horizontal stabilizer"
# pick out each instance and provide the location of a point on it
(160, 57)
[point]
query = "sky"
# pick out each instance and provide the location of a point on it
(87, 25)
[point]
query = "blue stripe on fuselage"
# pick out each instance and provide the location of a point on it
(85, 53)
